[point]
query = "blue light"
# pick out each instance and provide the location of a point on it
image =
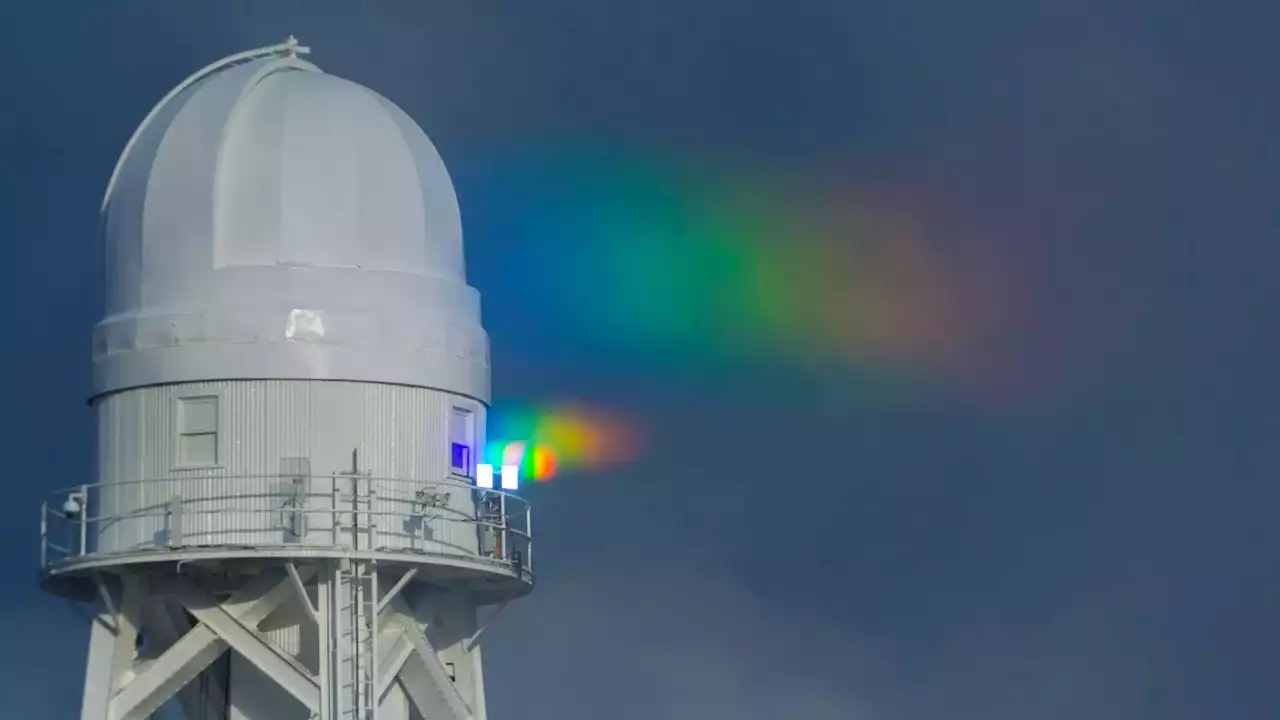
(461, 458)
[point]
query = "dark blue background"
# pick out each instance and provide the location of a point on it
(1100, 545)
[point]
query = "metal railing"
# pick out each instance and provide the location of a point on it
(449, 517)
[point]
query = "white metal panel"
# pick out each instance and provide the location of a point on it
(451, 632)
(400, 435)
(444, 248)
(254, 696)
(288, 639)
(270, 189)
(125, 210)
(406, 435)
(395, 704)
(249, 204)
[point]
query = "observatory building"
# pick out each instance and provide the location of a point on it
(288, 518)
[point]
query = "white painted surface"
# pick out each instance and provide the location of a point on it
(450, 630)
(283, 250)
(255, 696)
(401, 435)
(274, 221)
(395, 705)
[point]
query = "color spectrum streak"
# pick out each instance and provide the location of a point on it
(711, 266)
(544, 441)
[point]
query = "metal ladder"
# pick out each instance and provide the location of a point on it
(357, 640)
(356, 619)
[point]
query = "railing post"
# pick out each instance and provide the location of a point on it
(335, 510)
(371, 519)
(503, 535)
(44, 533)
(175, 521)
(84, 520)
(528, 530)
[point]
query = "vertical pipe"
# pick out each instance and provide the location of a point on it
(84, 519)
(528, 530)
(324, 641)
(335, 509)
(359, 664)
(370, 519)
(373, 655)
(504, 550)
(44, 533)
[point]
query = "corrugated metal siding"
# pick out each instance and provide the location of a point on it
(406, 435)
(288, 639)
(400, 433)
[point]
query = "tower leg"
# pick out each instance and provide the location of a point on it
(113, 645)
(98, 669)
(309, 642)
(121, 685)
(165, 622)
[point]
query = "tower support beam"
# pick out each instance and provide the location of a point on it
(396, 649)
(422, 675)
(276, 664)
(166, 675)
(166, 623)
(99, 672)
(145, 687)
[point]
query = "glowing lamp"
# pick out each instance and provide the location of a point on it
(510, 477)
(484, 476)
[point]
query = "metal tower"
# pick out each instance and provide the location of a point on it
(290, 387)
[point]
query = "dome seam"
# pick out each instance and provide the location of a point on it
(273, 67)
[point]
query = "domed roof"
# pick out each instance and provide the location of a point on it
(262, 190)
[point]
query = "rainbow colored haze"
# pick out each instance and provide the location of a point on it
(543, 441)
(705, 267)
(712, 268)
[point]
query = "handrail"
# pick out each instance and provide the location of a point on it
(451, 481)
(132, 521)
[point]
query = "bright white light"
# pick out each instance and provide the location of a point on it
(484, 476)
(510, 477)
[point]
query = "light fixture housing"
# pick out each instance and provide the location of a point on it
(510, 477)
(484, 476)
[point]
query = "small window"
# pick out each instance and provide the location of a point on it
(461, 442)
(197, 431)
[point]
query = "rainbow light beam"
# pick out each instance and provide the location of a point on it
(541, 443)
(698, 264)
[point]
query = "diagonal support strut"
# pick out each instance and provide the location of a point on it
(151, 684)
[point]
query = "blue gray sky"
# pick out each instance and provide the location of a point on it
(1098, 542)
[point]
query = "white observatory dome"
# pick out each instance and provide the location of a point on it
(271, 221)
